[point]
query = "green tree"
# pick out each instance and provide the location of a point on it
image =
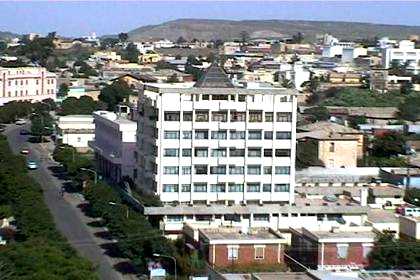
(123, 37)
(354, 121)
(244, 35)
(63, 90)
(389, 253)
(409, 109)
(181, 40)
(389, 144)
(287, 83)
(115, 93)
(297, 38)
(307, 154)
(85, 105)
(319, 113)
(108, 43)
(131, 53)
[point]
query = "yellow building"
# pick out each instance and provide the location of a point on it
(334, 150)
(344, 78)
(149, 57)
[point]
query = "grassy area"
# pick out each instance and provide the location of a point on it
(355, 97)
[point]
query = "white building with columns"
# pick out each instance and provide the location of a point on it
(26, 84)
(216, 143)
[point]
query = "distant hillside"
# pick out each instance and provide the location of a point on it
(204, 29)
(7, 35)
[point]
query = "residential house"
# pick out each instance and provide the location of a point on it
(225, 247)
(76, 131)
(344, 248)
(149, 57)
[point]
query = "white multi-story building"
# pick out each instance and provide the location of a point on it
(114, 145)
(217, 143)
(405, 53)
(26, 83)
(76, 131)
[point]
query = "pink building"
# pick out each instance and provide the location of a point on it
(26, 84)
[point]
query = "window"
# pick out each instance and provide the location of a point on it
(218, 188)
(201, 169)
(233, 252)
(186, 134)
(233, 152)
(268, 170)
(254, 152)
(261, 217)
(237, 116)
(79, 139)
(254, 170)
(254, 134)
(342, 250)
(170, 170)
(201, 134)
(255, 116)
(268, 135)
(200, 187)
(269, 116)
(218, 170)
(186, 152)
(332, 147)
(280, 170)
(170, 188)
(253, 187)
(219, 116)
(219, 135)
(268, 152)
(367, 248)
(236, 170)
(221, 152)
(169, 134)
(201, 116)
(175, 218)
(281, 187)
(172, 116)
(282, 153)
(201, 152)
(171, 152)
(187, 116)
(241, 98)
(185, 188)
(206, 97)
(284, 117)
(186, 170)
(266, 187)
(235, 135)
(236, 187)
(259, 252)
(283, 135)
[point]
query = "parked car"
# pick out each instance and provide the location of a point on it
(32, 165)
(24, 132)
(24, 152)
(20, 122)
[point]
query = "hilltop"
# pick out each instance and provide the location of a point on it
(207, 29)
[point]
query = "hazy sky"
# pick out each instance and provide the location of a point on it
(80, 18)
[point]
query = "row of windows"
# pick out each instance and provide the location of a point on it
(202, 169)
(233, 97)
(223, 134)
(223, 152)
(26, 82)
(231, 187)
(223, 116)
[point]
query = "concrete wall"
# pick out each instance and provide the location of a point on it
(344, 153)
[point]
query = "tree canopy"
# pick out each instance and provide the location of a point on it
(115, 93)
(84, 105)
(409, 109)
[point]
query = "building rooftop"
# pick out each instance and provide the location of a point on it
(328, 127)
(356, 234)
(324, 135)
(386, 190)
(214, 77)
(390, 275)
(381, 216)
(236, 235)
(268, 276)
(302, 205)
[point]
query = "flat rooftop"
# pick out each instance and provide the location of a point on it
(252, 234)
(269, 276)
(390, 275)
(302, 205)
(382, 216)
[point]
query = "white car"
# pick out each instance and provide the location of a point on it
(20, 122)
(32, 165)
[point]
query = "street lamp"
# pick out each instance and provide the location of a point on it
(93, 171)
(117, 204)
(169, 257)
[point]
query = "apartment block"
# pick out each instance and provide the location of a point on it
(217, 143)
(405, 53)
(26, 84)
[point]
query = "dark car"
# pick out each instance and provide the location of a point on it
(24, 132)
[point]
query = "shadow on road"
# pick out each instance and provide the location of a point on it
(112, 250)
(126, 268)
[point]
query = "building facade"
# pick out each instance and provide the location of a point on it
(114, 145)
(217, 143)
(26, 84)
(76, 131)
(406, 53)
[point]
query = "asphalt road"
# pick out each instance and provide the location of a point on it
(65, 215)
